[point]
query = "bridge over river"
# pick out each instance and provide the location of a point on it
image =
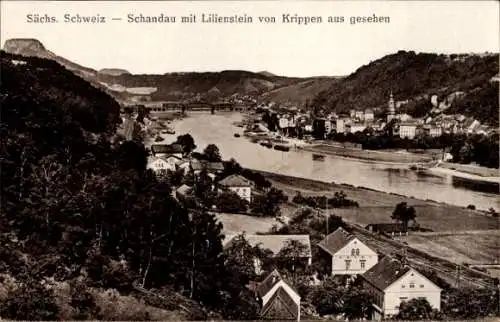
(158, 107)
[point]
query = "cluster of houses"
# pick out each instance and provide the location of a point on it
(402, 124)
(388, 279)
(171, 157)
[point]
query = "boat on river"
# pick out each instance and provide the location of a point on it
(280, 147)
(318, 157)
(267, 144)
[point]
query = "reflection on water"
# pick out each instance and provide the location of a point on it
(218, 129)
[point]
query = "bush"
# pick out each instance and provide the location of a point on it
(229, 201)
(338, 201)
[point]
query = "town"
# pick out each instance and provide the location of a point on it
(312, 262)
(322, 168)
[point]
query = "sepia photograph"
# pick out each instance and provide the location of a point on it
(250, 160)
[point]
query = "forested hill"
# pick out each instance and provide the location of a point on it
(84, 227)
(51, 86)
(415, 77)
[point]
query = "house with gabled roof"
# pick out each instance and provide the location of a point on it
(349, 255)
(279, 300)
(239, 185)
(167, 149)
(160, 164)
(392, 282)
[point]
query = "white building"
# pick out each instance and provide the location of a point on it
(357, 127)
(341, 123)
(407, 130)
(369, 115)
(283, 122)
(161, 164)
(238, 184)
(350, 256)
(392, 282)
(435, 131)
(328, 126)
(360, 115)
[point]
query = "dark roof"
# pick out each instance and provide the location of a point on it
(267, 284)
(336, 241)
(387, 227)
(235, 180)
(198, 165)
(166, 148)
(387, 271)
(216, 166)
(184, 189)
(291, 307)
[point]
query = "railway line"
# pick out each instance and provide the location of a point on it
(450, 272)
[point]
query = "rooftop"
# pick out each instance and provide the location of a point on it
(386, 272)
(235, 180)
(336, 241)
(166, 148)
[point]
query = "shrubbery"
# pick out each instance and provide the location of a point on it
(338, 201)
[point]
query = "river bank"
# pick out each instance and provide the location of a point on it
(369, 155)
(377, 206)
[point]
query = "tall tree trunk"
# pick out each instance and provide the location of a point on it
(147, 268)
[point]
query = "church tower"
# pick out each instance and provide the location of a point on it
(391, 110)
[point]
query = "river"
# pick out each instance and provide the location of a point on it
(218, 129)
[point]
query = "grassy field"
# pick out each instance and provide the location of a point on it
(376, 206)
(472, 248)
(235, 224)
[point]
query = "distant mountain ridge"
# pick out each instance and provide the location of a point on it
(410, 76)
(416, 77)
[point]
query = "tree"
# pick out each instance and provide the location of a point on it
(269, 204)
(416, 309)
(187, 143)
(212, 153)
(357, 304)
(327, 298)
(240, 258)
(31, 301)
(404, 213)
(229, 201)
(292, 255)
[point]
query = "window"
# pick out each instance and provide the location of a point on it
(357, 251)
(353, 252)
(412, 285)
(347, 264)
(403, 286)
(421, 285)
(363, 264)
(402, 299)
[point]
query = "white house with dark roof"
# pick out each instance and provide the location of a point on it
(350, 256)
(239, 185)
(279, 300)
(161, 164)
(167, 149)
(275, 243)
(392, 282)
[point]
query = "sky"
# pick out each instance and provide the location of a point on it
(286, 49)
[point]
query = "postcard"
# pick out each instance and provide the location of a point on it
(250, 160)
